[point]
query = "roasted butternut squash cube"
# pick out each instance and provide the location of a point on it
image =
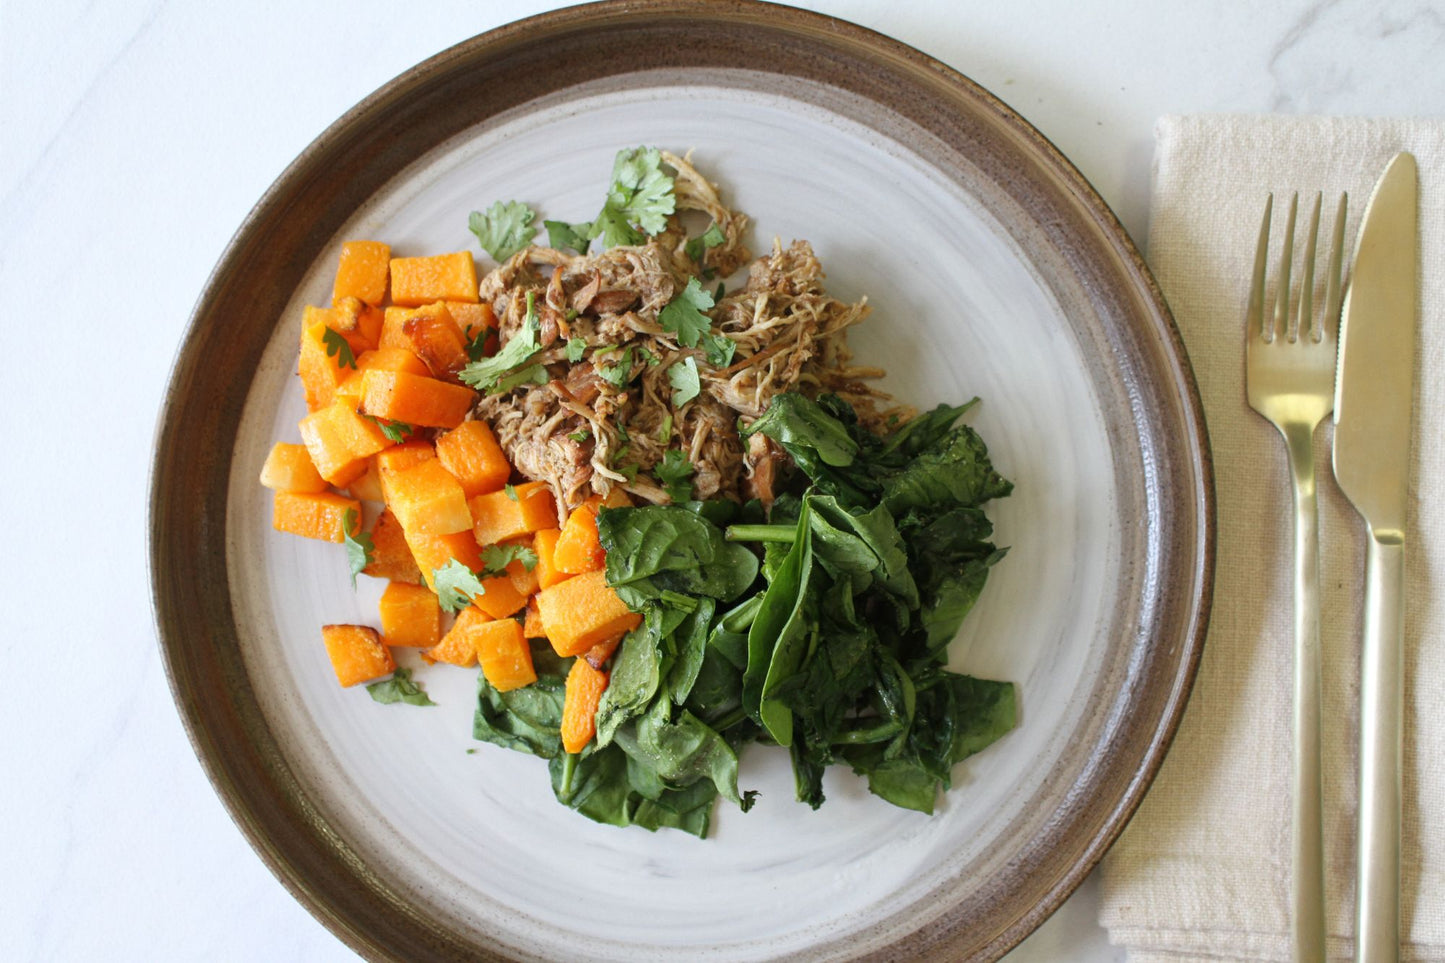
(505, 656)
(357, 654)
(580, 698)
(501, 516)
(435, 551)
(532, 626)
(437, 340)
(578, 548)
(427, 500)
(362, 272)
(442, 277)
(459, 645)
(392, 336)
(289, 468)
(410, 616)
(544, 543)
(473, 319)
(415, 400)
(318, 515)
(358, 322)
(340, 441)
(391, 557)
(320, 373)
(471, 453)
(583, 611)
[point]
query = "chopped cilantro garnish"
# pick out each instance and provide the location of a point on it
(337, 347)
(719, 349)
(685, 382)
(511, 491)
(360, 549)
(477, 347)
(709, 239)
(485, 373)
(504, 229)
(664, 431)
(684, 316)
(496, 558)
(564, 236)
(455, 585)
(575, 348)
(619, 374)
(395, 431)
(534, 374)
(639, 200)
(674, 473)
(581, 435)
(645, 355)
(399, 688)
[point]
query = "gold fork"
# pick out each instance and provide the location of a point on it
(1290, 380)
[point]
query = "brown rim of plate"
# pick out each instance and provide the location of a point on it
(500, 70)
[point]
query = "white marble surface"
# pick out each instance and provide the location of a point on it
(136, 136)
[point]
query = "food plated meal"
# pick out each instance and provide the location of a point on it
(666, 522)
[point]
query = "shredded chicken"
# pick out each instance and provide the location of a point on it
(594, 427)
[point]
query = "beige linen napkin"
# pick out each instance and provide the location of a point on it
(1203, 870)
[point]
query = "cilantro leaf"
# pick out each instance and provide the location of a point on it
(511, 491)
(674, 473)
(639, 200)
(455, 585)
(581, 435)
(564, 236)
(619, 374)
(399, 688)
(477, 347)
(575, 349)
(338, 348)
(645, 355)
(709, 239)
(496, 558)
(685, 382)
(719, 348)
(504, 229)
(360, 549)
(395, 431)
(534, 374)
(485, 373)
(684, 316)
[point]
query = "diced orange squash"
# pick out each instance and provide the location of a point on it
(459, 645)
(427, 500)
(392, 318)
(340, 441)
(289, 468)
(499, 597)
(348, 326)
(471, 453)
(391, 557)
(320, 373)
(359, 323)
(437, 340)
(357, 653)
(382, 359)
(533, 628)
(580, 699)
(578, 548)
(544, 543)
(432, 552)
(443, 277)
(505, 656)
(583, 611)
(362, 272)
(598, 655)
(368, 486)
(415, 400)
(402, 456)
(473, 319)
(499, 517)
(315, 515)
(410, 616)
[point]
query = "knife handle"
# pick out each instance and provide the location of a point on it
(1377, 908)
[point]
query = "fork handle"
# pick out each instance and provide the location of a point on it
(1308, 884)
(1377, 910)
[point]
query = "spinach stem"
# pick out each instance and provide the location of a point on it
(569, 766)
(761, 533)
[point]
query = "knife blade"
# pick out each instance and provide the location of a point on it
(1374, 392)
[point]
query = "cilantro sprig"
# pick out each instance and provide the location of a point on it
(686, 385)
(488, 374)
(360, 548)
(496, 558)
(456, 584)
(337, 347)
(638, 202)
(683, 316)
(504, 229)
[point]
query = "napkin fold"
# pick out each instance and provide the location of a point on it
(1203, 870)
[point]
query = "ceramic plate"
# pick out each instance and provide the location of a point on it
(993, 270)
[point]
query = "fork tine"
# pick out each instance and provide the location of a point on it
(1254, 313)
(1286, 256)
(1306, 310)
(1330, 320)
